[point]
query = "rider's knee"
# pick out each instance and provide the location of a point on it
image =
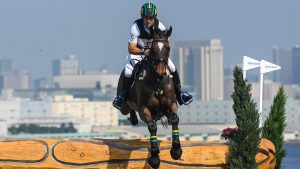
(174, 119)
(171, 65)
(152, 127)
(128, 71)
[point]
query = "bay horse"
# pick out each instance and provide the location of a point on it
(154, 96)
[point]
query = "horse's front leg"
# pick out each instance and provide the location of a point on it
(176, 150)
(153, 160)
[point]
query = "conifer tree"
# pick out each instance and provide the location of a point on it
(275, 125)
(245, 142)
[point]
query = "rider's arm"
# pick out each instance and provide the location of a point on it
(133, 40)
(133, 49)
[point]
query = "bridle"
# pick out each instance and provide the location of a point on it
(160, 65)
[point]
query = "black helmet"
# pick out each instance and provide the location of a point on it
(148, 9)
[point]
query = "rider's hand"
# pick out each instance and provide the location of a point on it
(146, 52)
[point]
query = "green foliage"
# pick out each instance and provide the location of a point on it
(275, 125)
(245, 143)
(36, 129)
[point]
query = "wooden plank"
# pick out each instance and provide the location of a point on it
(99, 153)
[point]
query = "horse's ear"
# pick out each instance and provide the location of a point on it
(169, 32)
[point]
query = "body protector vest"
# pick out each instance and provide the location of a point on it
(145, 39)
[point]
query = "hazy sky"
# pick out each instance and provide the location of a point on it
(34, 32)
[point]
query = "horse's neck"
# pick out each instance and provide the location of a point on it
(153, 80)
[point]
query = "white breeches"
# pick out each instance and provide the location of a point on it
(133, 59)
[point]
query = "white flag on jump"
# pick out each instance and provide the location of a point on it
(268, 67)
(249, 63)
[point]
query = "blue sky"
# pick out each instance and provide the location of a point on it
(34, 32)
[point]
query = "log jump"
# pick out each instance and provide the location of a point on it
(62, 153)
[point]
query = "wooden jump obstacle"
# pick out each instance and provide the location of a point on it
(93, 153)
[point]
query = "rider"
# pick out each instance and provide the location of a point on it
(138, 47)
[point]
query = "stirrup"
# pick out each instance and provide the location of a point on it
(187, 95)
(119, 102)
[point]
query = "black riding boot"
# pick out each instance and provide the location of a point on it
(124, 85)
(181, 96)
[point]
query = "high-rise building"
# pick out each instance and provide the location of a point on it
(15, 80)
(284, 58)
(296, 64)
(200, 67)
(22, 80)
(65, 66)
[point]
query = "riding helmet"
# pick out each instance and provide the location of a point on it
(148, 10)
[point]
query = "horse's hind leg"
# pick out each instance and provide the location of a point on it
(153, 160)
(133, 118)
(176, 150)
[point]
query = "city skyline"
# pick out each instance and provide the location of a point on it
(280, 55)
(49, 76)
(33, 35)
(200, 67)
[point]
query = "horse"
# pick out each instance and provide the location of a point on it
(154, 96)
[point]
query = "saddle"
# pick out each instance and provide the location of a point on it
(139, 71)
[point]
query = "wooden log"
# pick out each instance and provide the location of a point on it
(109, 154)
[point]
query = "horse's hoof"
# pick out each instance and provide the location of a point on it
(176, 153)
(133, 118)
(154, 162)
(133, 121)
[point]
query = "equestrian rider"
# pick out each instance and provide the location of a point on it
(138, 47)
